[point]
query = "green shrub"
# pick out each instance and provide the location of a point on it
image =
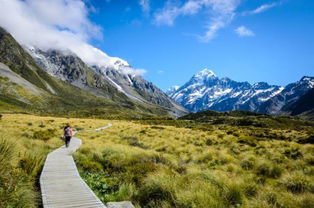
(157, 127)
(97, 182)
(31, 163)
(182, 167)
(16, 187)
(232, 195)
(310, 160)
(126, 192)
(137, 172)
(210, 141)
(307, 201)
(6, 155)
(309, 140)
(272, 199)
(297, 184)
(247, 164)
(85, 150)
(251, 141)
(293, 153)
(134, 141)
(154, 191)
(250, 190)
(44, 134)
(205, 158)
(269, 170)
(42, 125)
(91, 166)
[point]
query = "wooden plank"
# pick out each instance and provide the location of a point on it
(60, 182)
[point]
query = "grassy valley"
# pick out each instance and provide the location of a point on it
(212, 142)
(26, 87)
(212, 160)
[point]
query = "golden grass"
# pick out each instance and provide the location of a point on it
(244, 171)
(166, 166)
(21, 136)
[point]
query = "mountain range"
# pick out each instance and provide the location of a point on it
(70, 68)
(206, 91)
(59, 81)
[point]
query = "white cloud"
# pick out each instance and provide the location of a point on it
(243, 31)
(261, 9)
(145, 4)
(138, 71)
(171, 11)
(160, 71)
(130, 70)
(220, 14)
(167, 15)
(57, 24)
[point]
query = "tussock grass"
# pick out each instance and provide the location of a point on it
(170, 163)
(188, 164)
(25, 140)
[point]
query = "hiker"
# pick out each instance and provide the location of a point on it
(67, 134)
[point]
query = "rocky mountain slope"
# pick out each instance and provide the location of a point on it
(137, 88)
(206, 91)
(287, 97)
(67, 67)
(104, 80)
(74, 88)
(303, 106)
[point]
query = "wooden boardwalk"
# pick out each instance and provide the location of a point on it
(60, 183)
(101, 128)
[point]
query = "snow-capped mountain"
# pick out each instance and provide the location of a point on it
(136, 87)
(66, 66)
(115, 75)
(172, 90)
(205, 90)
(303, 106)
(287, 97)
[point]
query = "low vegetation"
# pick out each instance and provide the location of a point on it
(25, 140)
(170, 163)
(228, 160)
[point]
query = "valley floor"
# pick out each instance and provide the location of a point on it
(173, 163)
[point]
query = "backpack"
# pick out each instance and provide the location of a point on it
(67, 132)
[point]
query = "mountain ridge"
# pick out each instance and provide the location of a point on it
(57, 96)
(206, 91)
(118, 79)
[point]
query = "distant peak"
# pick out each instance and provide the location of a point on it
(261, 85)
(307, 78)
(172, 90)
(175, 87)
(205, 73)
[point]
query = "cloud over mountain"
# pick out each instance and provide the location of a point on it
(57, 24)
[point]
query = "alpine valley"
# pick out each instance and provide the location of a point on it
(206, 91)
(58, 81)
(212, 142)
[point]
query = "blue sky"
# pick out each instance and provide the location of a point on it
(277, 42)
(245, 40)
